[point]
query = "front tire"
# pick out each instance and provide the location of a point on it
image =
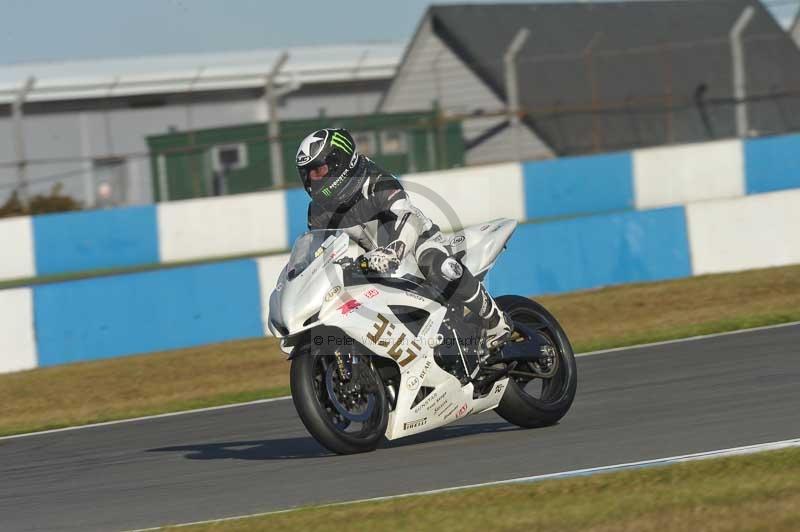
(539, 402)
(343, 419)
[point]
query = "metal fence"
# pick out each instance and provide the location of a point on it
(594, 101)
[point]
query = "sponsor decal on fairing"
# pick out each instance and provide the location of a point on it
(349, 307)
(408, 425)
(332, 293)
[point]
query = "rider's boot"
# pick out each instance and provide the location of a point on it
(494, 321)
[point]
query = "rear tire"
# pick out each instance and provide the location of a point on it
(324, 419)
(520, 407)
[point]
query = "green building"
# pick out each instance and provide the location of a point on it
(233, 160)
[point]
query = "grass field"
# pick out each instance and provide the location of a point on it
(245, 370)
(759, 492)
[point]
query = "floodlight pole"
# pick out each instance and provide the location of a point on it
(19, 139)
(739, 72)
(512, 88)
(271, 96)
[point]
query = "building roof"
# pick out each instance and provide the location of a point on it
(197, 72)
(614, 75)
(794, 29)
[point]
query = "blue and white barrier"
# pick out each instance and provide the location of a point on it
(593, 251)
(469, 196)
(143, 312)
(228, 226)
(179, 307)
(648, 215)
(744, 233)
(772, 163)
(270, 221)
(574, 186)
(685, 174)
(16, 248)
(17, 338)
(92, 240)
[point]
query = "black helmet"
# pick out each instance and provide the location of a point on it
(336, 149)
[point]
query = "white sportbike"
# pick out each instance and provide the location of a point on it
(381, 355)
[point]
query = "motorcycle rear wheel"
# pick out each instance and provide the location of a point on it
(539, 402)
(343, 420)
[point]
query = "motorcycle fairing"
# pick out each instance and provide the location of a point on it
(479, 245)
(317, 296)
(363, 312)
(293, 301)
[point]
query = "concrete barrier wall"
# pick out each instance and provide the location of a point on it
(180, 307)
(152, 311)
(270, 221)
(296, 201)
(684, 174)
(17, 340)
(581, 253)
(578, 185)
(469, 196)
(745, 233)
(772, 163)
(93, 240)
(228, 226)
(16, 248)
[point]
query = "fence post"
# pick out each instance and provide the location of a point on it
(271, 96)
(88, 164)
(739, 72)
(668, 93)
(19, 139)
(163, 178)
(196, 183)
(512, 88)
(588, 59)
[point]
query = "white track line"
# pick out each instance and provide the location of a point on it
(283, 398)
(734, 451)
(689, 339)
(145, 418)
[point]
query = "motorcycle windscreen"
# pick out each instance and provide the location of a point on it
(307, 248)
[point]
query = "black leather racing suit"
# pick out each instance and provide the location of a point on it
(382, 215)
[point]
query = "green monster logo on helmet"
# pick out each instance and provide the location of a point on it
(340, 141)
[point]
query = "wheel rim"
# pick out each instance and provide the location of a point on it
(351, 405)
(545, 392)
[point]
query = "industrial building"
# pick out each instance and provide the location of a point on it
(600, 76)
(548, 80)
(84, 124)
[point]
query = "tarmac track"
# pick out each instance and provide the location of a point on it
(635, 404)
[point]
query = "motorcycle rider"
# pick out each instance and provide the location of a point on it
(350, 192)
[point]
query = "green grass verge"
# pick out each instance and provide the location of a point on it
(756, 492)
(220, 374)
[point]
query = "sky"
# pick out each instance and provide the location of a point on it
(54, 30)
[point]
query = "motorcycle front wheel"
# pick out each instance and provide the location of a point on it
(340, 400)
(539, 394)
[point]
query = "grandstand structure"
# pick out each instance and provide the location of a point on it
(84, 124)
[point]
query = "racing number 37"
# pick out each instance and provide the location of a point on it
(383, 327)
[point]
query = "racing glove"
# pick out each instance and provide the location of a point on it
(380, 260)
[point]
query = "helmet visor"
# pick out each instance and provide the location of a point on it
(319, 172)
